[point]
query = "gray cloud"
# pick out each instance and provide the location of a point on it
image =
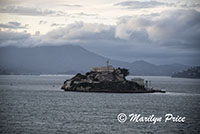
(37, 33)
(69, 5)
(139, 4)
(191, 5)
(186, 5)
(152, 4)
(20, 39)
(80, 31)
(14, 25)
(8, 2)
(26, 11)
(42, 22)
(6, 35)
(172, 28)
(55, 25)
(170, 36)
(12, 38)
(85, 14)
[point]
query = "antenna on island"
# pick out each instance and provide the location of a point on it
(107, 63)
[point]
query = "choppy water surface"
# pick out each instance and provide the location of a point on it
(35, 104)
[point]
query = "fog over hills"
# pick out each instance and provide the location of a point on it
(69, 59)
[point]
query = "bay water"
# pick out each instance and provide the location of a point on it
(32, 104)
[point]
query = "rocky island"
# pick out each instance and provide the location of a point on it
(105, 79)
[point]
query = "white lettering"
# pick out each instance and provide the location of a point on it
(170, 117)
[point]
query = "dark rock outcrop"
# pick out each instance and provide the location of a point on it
(104, 82)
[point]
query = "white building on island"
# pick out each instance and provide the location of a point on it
(107, 68)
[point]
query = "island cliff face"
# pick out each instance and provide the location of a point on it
(104, 81)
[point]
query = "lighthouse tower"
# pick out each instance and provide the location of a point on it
(107, 65)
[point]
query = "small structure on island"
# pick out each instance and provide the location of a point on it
(107, 68)
(142, 82)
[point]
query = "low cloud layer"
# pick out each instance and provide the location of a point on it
(13, 38)
(82, 32)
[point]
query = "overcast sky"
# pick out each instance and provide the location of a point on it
(160, 31)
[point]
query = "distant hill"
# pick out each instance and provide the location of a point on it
(193, 72)
(145, 68)
(70, 59)
(49, 59)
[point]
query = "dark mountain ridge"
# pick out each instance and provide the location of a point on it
(70, 59)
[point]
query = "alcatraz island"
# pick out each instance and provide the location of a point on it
(107, 79)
